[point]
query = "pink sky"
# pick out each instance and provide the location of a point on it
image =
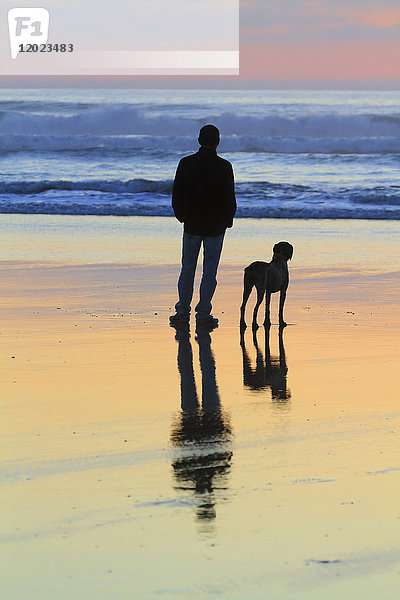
(320, 40)
(322, 61)
(307, 43)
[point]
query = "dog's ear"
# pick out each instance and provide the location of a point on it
(289, 251)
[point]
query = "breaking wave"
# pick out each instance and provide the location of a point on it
(261, 199)
(128, 127)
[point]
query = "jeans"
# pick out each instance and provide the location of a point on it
(212, 247)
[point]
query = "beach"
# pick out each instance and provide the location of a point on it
(142, 462)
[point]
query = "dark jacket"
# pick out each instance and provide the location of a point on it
(203, 195)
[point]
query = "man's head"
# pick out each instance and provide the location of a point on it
(209, 136)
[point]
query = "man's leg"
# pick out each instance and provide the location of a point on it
(212, 254)
(190, 252)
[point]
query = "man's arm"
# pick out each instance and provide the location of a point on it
(177, 194)
(229, 196)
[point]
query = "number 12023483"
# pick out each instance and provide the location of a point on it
(46, 47)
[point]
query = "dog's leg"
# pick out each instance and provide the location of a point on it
(260, 296)
(247, 287)
(282, 299)
(267, 320)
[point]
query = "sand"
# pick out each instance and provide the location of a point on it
(284, 485)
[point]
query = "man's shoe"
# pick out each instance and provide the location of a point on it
(178, 320)
(207, 321)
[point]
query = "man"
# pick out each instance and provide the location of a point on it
(203, 199)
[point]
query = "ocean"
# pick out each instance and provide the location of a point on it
(296, 154)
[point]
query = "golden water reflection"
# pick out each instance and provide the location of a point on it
(201, 434)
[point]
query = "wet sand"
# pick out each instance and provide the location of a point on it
(141, 462)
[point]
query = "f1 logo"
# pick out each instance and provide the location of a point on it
(27, 25)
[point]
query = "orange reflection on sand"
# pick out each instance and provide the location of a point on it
(282, 448)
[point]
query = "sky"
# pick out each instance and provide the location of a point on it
(297, 43)
(320, 40)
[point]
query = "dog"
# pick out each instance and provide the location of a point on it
(268, 278)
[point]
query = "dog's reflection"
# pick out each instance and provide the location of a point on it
(269, 372)
(201, 434)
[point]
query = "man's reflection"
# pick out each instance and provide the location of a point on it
(202, 433)
(269, 372)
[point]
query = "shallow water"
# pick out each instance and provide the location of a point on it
(327, 244)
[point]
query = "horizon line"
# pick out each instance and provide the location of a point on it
(194, 82)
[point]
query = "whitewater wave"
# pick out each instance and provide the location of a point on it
(127, 119)
(132, 186)
(141, 197)
(184, 144)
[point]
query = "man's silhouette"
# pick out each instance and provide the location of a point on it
(203, 199)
